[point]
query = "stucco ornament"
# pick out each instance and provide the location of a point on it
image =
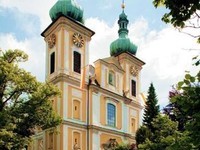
(134, 70)
(52, 40)
(110, 145)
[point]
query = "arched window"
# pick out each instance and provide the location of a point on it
(76, 111)
(52, 62)
(77, 62)
(111, 78)
(111, 115)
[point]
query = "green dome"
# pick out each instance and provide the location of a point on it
(123, 43)
(67, 8)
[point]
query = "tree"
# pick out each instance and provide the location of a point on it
(124, 146)
(151, 111)
(151, 108)
(173, 110)
(188, 101)
(142, 134)
(166, 136)
(182, 13)
(24, 102)
(184, 108)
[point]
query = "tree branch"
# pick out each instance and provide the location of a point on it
(9, 98)
(194, 36)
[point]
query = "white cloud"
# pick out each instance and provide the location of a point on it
(163, 51)
(35, 7)
(35, 49)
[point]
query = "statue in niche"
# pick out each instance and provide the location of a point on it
(76, 147)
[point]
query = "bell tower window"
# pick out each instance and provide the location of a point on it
(77, 62)
(133, 88)
(52, 63)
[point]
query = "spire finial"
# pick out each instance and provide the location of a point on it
(123, 5)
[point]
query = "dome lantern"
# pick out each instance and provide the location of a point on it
(123, 43)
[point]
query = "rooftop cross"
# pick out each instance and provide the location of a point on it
(123, 5)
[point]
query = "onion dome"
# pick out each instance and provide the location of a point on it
(67, 8)
(123, 43)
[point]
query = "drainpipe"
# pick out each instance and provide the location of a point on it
(88, 115)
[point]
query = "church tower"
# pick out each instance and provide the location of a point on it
(115, 104)
(103, 111)
(67, 52)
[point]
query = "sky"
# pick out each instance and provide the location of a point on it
(166, 52)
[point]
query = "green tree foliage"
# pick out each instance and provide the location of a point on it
(184, 109)
(165, 137)
(124, 146)
(24, 102)
(188, 101)
(182, 13)
(142, 134)
(173, 110)
(151, 108)
(151, 111)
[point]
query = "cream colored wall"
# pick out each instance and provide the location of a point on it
(134, 113)
(126, 65)
(102, 73)
(95, 109)
(105, 137)
(75, 93)
(71, 137)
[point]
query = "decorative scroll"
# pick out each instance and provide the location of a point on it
(52, 40)
(134, 70)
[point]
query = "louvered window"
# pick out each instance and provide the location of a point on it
(52, 63)
(133, 88)
(77, 62)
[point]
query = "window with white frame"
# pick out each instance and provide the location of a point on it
(111, 115)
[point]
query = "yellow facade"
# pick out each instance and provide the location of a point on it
(105, 111)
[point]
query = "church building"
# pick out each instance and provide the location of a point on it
(100, 104)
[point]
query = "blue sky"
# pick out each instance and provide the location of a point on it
(163, 48)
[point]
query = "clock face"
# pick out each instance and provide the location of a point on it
(78, 40)
(52, 40)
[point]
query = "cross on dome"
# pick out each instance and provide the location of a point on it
(123, 4)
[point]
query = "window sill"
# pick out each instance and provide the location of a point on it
(111, 126)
